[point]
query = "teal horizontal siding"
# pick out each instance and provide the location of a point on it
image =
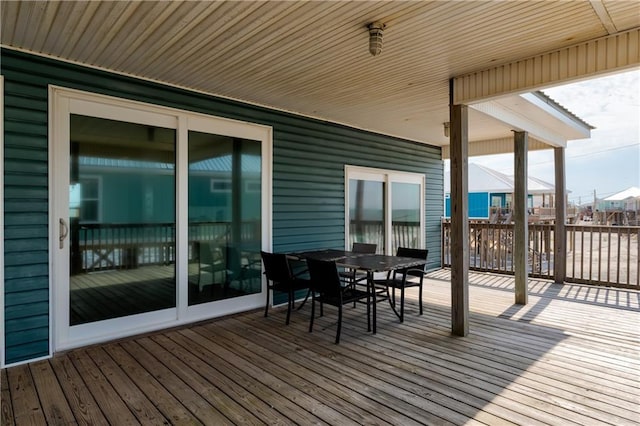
(26, 219)
(309, 157)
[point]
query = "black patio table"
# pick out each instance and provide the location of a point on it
(370, 263)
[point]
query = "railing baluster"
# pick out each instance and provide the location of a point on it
(628, 256)
(618, 259)
(581, 253)
(573, 258)
(599, 254)
(591, 258)
(609, 256)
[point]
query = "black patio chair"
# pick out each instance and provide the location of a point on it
(326, 287)
(281, 278)
(351, 276)
(400, 279)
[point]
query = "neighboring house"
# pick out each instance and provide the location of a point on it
(489, 189)
(622, 208)
(627, 200)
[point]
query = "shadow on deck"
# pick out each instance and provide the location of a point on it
(569, 356)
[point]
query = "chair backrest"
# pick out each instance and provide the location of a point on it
(276, 267)
(414, 253)
(364, 248)
(324, 276)
(204, 251)
(233, 259)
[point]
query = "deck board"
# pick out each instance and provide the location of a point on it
(570, 356)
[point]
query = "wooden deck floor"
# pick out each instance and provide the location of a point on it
(571, 356)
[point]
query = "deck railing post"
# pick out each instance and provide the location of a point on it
(560, 240)
(521, 236)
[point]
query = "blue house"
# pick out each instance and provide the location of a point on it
(489, 189)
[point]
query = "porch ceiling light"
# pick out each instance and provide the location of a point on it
(446, 129)
(375, 37)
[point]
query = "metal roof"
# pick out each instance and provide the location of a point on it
(484, 179)
(312, 58)
(221, 164)
(632, 192)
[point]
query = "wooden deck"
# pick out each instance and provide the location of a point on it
(571, 356)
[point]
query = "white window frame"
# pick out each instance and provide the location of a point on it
(97, 179)
(388, 177)
(62, 103)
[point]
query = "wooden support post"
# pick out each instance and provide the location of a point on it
(520, 232)
(459, 153)
(560, 232)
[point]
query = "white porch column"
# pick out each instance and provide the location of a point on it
(520, 232)
(459, 145)
(560, 232)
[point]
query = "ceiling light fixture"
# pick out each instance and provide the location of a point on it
(375, 37)
(446, 129)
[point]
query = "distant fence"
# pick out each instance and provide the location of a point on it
(403, 234)
(97, 247)
(603, 255)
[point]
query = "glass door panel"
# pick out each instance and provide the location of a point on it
(121, 219)
(405, 215)
(366, 212)
(225, 216)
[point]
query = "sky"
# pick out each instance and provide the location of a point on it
(608, 162)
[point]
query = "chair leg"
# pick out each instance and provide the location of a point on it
(369, 308)
(289, 303)
(305, 300)
(266, 307)
(402, 304)
(339, 324)
(420, 299)
(313, 312)
(391, 297)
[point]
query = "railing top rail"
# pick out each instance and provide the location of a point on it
(601, 227)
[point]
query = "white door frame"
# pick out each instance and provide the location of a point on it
(62, 103)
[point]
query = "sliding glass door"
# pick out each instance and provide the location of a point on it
(384, 207)
(225, 226)
(158, 216)
(121, 219)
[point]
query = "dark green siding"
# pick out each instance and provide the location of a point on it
(308, 178)
(26, 216)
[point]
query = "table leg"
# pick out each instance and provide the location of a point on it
(372, 292)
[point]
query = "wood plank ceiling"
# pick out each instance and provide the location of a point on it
(312, 58)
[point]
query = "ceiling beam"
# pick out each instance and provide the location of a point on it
(603, 14)
(601, 56)
(496, 146)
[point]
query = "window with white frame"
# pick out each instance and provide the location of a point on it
(384, 207)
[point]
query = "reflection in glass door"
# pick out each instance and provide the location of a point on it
(225, 231)
(121, 219)
(385, 208)
(366, 212)
(405, 215)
